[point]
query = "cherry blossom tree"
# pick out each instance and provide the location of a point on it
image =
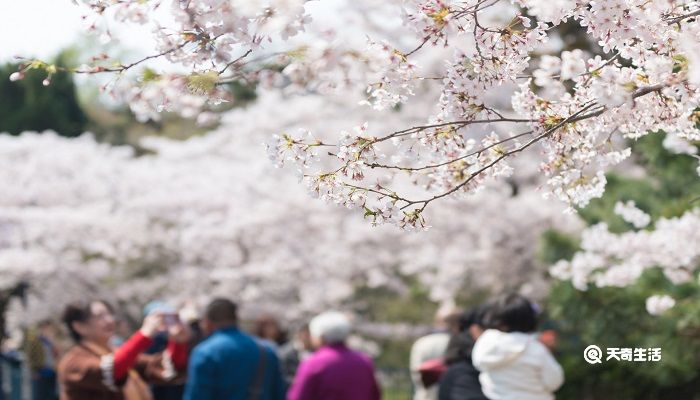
(442, 101)
(636, 73)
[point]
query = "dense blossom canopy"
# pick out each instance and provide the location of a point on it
(503, 76)
(441, 99)
(210, 216)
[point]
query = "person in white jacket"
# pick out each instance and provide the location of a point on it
(514, 364)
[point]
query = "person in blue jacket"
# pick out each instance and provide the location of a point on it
(230, 364)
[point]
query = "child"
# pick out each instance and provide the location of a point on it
(514, 364)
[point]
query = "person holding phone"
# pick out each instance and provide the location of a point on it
(92, 370)
(172, 389)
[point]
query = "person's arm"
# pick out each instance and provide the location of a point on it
(109, 370)
(178, 354)
(201, 377)
(124, 358)
(169, 365)
(552, 375)
(303, 387)
(166, 367)
(179, 336)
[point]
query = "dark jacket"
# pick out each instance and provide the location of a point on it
(460, 382)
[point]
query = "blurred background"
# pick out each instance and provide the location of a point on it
(394, 283)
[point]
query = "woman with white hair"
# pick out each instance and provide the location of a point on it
(334, 371)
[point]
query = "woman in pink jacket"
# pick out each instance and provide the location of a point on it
(334, 372)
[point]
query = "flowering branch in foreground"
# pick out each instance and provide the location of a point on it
(503, 82)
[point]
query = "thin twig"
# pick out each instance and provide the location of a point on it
(376, 165)
(123, 68)
(235, 61)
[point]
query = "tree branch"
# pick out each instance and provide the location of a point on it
(682, 17)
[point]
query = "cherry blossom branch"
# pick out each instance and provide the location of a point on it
(571, 118)
(477, 152)
(420, 46)
(577, 116)
(122, 68)
(368, 143)
(228, 65)
(456, 15)
(682, 17)
(459, 124)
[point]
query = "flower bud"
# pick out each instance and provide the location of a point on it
(16, 76)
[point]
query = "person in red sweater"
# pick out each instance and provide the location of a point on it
(91, 370)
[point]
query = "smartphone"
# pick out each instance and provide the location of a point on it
(170, 319)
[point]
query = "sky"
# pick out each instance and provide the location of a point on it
(41, 28)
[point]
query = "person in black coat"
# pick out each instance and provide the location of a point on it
(461, 380)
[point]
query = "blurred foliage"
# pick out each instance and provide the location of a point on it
(382, 304)
(242, 92)
(28, 105)
(386, 305)
(412, 306)
(119, 126)
(617, 317)
(557, 246)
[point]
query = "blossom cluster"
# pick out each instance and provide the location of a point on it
(206, 41)
(659, 304)
(631, 214)
(612, 259)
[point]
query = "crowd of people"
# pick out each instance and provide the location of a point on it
(492, 352)
(489, 352)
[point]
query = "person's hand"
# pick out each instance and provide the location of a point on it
(152, 324)
(179, 332)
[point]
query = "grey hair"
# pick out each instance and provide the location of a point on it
(332, 327)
